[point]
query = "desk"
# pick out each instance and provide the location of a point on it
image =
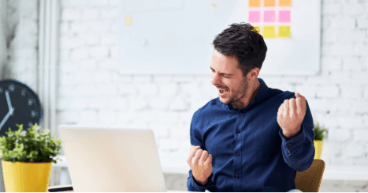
(68, 187)
(168, 191)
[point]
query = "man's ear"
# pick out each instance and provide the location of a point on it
(253, 74)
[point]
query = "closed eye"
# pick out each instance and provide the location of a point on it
(223, 74)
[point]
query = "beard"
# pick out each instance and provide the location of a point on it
(235, 95)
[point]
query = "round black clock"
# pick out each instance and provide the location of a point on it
(18, 105)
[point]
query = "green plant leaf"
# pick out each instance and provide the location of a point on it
(319, 132)
(22, 146)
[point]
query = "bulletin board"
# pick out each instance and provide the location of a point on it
(158, 37)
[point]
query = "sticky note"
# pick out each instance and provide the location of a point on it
(269, 32)
(254, 3)
(284, 32)
(254, 16)
(258, 29)
(284, 16)
(269, 16)
(269, 3)
(128, 20)
(285, 3)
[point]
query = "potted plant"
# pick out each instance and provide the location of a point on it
(319, 132)
(27, 159)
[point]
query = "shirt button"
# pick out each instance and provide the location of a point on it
(237, 153)
(238, 131)
(290, 156)
(289, 144)
(236, 176)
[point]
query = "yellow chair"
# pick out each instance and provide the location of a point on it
(310, 179)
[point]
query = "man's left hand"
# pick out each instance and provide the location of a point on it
(291, 114)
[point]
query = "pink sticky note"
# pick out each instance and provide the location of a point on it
(284, 16)
(269, 16)
(254, 16)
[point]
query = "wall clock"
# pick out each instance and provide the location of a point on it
(18, 105)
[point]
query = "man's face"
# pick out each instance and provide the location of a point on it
(228, 79)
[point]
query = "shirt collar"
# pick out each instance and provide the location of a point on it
(262, 93)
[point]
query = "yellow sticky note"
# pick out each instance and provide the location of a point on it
(284, 32)
(258, 29)
(269, 3)
(285, 3)
(128, 20)
(254, 3)
(269, 32)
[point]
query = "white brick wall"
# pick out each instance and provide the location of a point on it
(92, 91)
(23, 59)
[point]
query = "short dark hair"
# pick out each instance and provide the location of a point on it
(243, 42)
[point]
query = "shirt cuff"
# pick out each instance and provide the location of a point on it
(201, 187)
(291, 145)
(299, 136)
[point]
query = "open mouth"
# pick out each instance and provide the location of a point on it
(223, 91)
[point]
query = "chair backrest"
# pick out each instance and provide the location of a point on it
(310, 179)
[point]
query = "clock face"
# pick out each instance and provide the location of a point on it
(19, 105)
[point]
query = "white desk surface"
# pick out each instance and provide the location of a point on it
(169, 191)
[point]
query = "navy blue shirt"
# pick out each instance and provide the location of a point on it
(249, 151)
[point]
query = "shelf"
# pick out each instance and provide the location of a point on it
(346, 173)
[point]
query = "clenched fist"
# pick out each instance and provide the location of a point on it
(200, 163)
(291, 114)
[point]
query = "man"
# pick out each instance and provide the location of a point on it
(251, 138)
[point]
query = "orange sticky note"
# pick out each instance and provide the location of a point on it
(254, 3)
(269, 3)
(269, 32)
(128, 20)
(284, 32)
(285, 3)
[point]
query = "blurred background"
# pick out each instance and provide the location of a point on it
(69, 52)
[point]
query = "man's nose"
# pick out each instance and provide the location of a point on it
(215, 79)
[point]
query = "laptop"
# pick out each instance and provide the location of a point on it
(112, 159)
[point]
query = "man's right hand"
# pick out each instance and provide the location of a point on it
(200, 163)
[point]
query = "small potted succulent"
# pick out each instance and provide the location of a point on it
(319, 135)
(27, 159)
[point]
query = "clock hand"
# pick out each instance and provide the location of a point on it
(11, 111)
(5, 119)
(8, 99)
